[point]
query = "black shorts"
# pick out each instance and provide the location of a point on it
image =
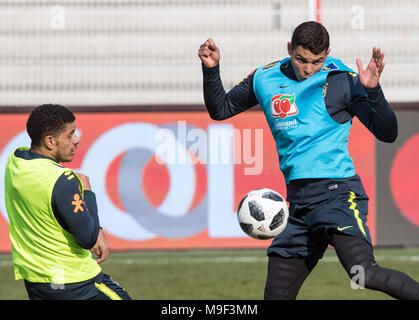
(316, 207)
(101, 287)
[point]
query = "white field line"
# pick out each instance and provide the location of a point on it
(379, 258)
(243, 259)
(198, 260)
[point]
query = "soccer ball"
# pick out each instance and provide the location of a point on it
(263, 214)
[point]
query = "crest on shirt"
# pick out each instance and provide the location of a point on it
(330, 66)
(283, 105)
(325, 89)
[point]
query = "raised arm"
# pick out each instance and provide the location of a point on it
(373, 110)
(222, 105)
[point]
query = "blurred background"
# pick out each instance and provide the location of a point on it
(130, 68)
(128, 52)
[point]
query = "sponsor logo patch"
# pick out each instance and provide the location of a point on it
(77, 203)
(283, 105)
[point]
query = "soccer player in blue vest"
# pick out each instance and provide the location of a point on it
(309, 100)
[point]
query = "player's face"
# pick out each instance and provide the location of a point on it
(304, 62)
(66, 143)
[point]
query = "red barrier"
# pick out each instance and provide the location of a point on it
(398, 184)
(144, 204)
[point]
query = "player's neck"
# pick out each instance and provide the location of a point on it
(288, 71)
(45, 152)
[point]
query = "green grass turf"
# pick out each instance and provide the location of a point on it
(221, 274)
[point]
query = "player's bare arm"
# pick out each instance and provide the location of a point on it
(370, 76)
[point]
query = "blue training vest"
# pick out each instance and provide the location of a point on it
(309, 142)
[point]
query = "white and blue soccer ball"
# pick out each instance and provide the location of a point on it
(263, 213)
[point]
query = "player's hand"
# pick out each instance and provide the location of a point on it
(102, 247)
(85, 181)
(209, 53)
(371, 75)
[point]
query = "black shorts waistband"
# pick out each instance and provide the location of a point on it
(304, 191)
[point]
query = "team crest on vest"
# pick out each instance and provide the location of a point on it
(330, 67)
(283, 105)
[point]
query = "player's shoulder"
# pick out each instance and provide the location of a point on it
(270, 65)
(268, 68)
(67, 181)
(345, 77)
(247, 79)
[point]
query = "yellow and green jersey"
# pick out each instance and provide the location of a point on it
(44, 249)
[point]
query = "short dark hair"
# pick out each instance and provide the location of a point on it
(312, 36)
(47, 119)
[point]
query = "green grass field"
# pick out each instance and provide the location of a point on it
(221, 274)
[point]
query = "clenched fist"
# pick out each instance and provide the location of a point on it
(209, 53)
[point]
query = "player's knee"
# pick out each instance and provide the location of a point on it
(285, 277)
(281, 294)
(378, 278)
(282, 297)
(373, 277)
(364, 275)
(281, 289)
(392, 282)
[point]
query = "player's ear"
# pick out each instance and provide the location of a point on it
(289, 47)
(49, 142)
(327, 52)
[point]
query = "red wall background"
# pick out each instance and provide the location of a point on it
(156, 181)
